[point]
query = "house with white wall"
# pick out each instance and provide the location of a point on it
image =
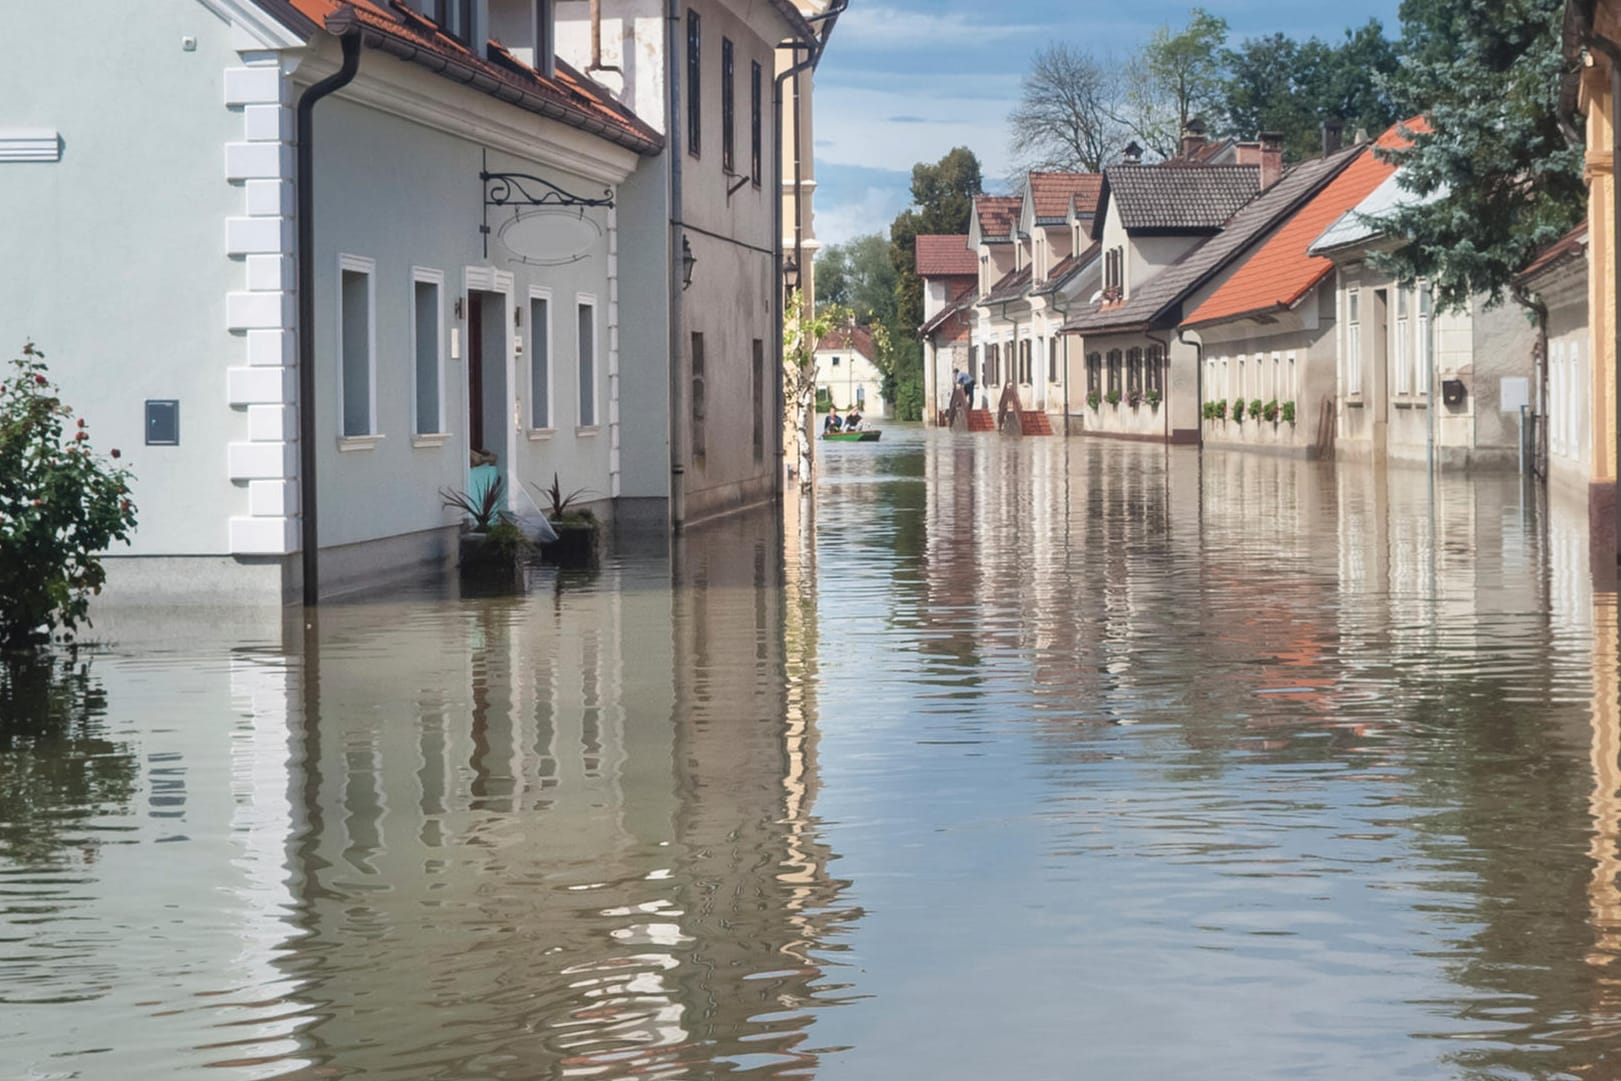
(1558, 278)
(847, 372)
(458, 274)
(950, 274)
(1266, 332)
(1168, 234)
(1411, 376)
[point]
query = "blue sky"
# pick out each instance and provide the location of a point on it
(904, 81)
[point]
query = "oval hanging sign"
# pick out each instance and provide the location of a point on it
(549, 236)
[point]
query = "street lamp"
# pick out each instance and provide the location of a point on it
(790, 274)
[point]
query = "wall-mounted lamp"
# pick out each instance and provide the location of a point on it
(688, 261)
(517, 317)
(790, 274)
(460, 308)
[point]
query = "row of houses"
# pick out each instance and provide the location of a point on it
(1222, 298)
(309, 263)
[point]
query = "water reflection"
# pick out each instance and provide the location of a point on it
(998, 759)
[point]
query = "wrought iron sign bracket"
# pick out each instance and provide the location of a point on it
(521, 189)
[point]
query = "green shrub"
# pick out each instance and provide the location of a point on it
(1289, 411)
(1270, 410)
(1238, 410)
(1113, 397)
(1094, 399)
(61, 506)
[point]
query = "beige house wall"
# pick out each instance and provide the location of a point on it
(1599, 106)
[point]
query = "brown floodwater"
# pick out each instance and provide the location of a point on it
(1034, 759)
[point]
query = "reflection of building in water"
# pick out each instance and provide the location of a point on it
(562, 835)
(1605, 888)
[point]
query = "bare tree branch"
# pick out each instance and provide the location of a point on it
(1067, 119)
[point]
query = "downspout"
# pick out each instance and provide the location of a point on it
(596, 42)
(1063, 317)
(672, 125)
(308, 490)
(1198, 381)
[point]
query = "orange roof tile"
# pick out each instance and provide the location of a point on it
(945, 255)
(569, 97)
(1281, 272)
(1571, 244)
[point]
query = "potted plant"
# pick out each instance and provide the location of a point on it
(1113, 397)
(1270, 411)
(491, 545)
(576, 527)
(1134, 397)
(1152, 398)
(1256, 406)
(1238, 410)
(1094, 399)
(1289, 411)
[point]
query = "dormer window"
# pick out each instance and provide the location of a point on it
(1114, 274)
(455, 17)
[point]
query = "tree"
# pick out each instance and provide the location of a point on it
(60, 507)
(943, 202)
(801, 330)
(1067, 118)
(858, 275)
(1496, 176)
(1181, 77)
(1275, 83)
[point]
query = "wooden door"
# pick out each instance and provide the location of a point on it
(475, 371)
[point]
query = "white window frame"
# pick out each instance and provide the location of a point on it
(1404, 342)
(537, 292)
(359, 264)
(582, 428)
(1353, 342)
(440, 434)
(1425, 369)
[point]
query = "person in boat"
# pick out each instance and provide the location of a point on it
(852, 419)
(831, 422)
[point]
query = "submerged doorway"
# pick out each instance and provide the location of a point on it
(487, 392)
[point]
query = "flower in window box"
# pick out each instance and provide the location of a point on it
(1153, 398)
(1270, 411)
(1288, 411)
(1113, 397)
(1094, 399)
(1134, 398)
(1238, 410)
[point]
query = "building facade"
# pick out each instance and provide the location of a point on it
(847, 375)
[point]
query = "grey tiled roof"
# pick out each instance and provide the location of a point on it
(1013, 285)
(1067, 267)
(1159, 296)
(1361, 223)
(1196, 199)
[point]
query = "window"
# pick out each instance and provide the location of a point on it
(1024, 362)
(587, 312)
(993, 365)
(1134, 371)
(1156, 370)
(727, 106)
(1426, 341)
(540, 361)
(835, 362)
(1352, 380)
(757, 385)
(1114, 371)
(1114, 274)
(698, 447)
(1404, 343)
(455, 17)
(427, 345)
(356, 345)
(694, 98)
(1052, 361)
(755, 115)
(1094, 373)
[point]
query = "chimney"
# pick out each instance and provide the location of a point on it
(1271, 158)
(1193, 137)
(1132, 155)
(1333, 136)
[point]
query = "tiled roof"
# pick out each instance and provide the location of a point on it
(569, 98)
(1191, 200)
(944, 255)
(1014, 284)
(963, 297)
(856, 339)
(1573, 243)
(1208, 154)
(1157, 299)
(997, 215)
(1052, 193)
(1282, 271)
(1360, 224)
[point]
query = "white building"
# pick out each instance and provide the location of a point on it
(479, 216)
(1558, 278)
(847, 374)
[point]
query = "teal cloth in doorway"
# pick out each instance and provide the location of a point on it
(479, 478)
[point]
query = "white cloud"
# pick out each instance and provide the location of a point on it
(871, 213)
(855, 127)
(867, 27)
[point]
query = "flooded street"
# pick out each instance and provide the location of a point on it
(1034, 759)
